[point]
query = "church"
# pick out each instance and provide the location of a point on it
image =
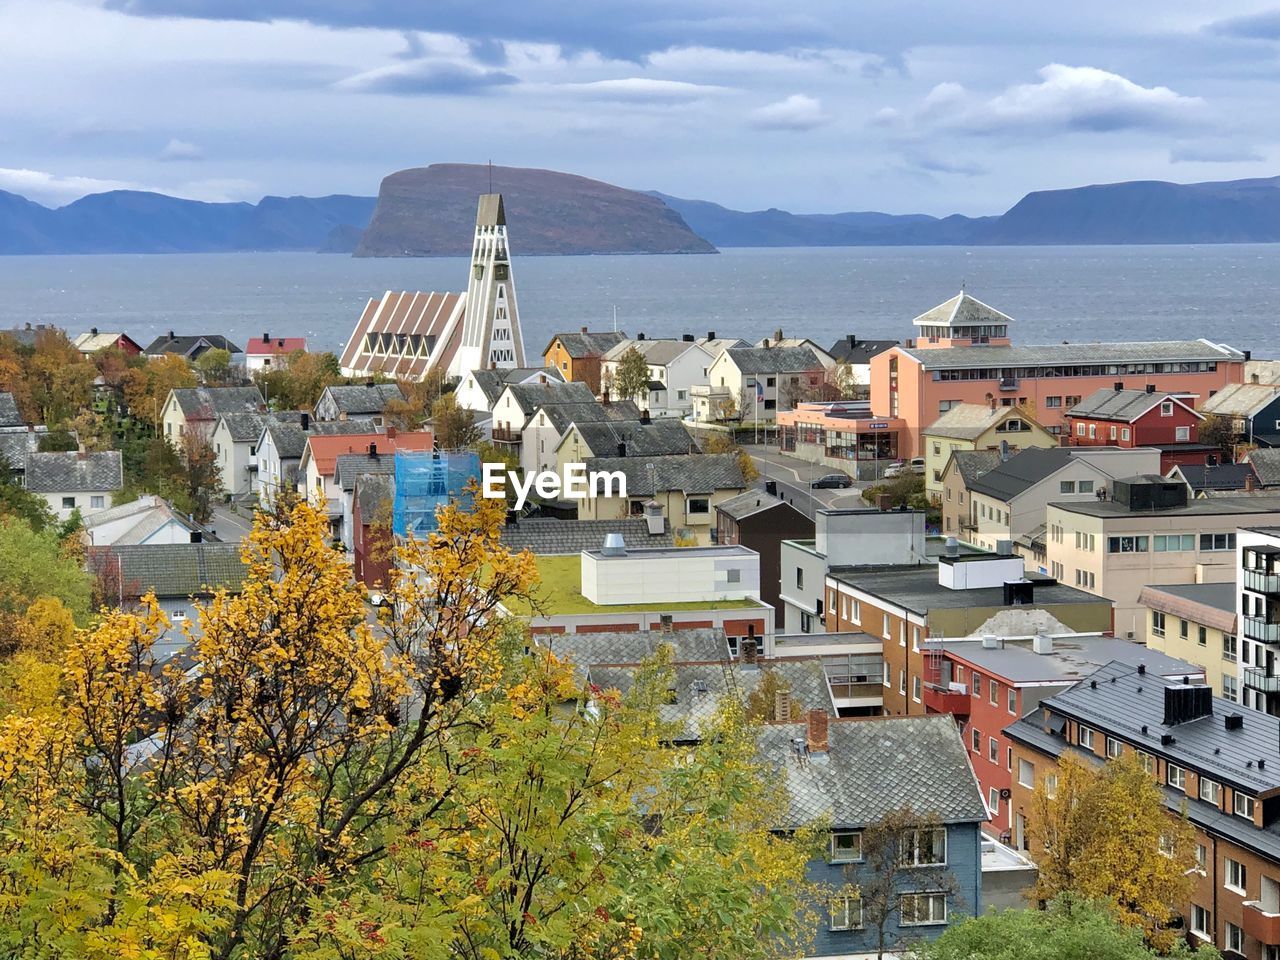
(407, 335)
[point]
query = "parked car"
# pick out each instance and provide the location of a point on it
(836, 481)
(895, 469)
(917, 465)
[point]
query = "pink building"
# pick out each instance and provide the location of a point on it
(963, 354)
(840, 434)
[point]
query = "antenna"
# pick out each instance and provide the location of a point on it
(615, 318)
(491, 175)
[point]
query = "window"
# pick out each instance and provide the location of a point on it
(1085, 486)
(977, 685)
(1050, 785)
(993, 691)
(1202, 636)
(993, 802)
(1237, 877)
(1157, 623)
(1169, 543)
(1165, 846)
(915, 639)
(1079, 429)
(846, 846)
(1230, 648)
(1084, 737)
(1181, 434)
(915, 689)
(846, 913)
(919, 909)
(806, 622)
(97, 503)
(1243, 804)
(902, 682)
(1124, 433)
(1026, 773)
(1166, 408)
(735, 575)
(1127, 544)
(1235, 938)
(1013, 701)
(884, 670)
(1210, 790)
(1217, 541)
(1113, 431)
(698, 505)
(993, 750)
(976, 737)
(1201, 922)
(1066, 486)
(923, 848)
(1114, 748)
(68, 503)
(1175, 776)
(771, 381)
(1202, 857)
(1182, 629)
(1148, 762)
(1231, 688)
(799, 578)
(1053, 401)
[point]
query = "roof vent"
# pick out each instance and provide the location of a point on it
(1142, 669)
(1233, 721)
(614, 545)
(1004, 548)
(952, 547)
(1167, 740)
(1184, 702)
(1042, 644)
(990, 641)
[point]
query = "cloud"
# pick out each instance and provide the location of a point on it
(1065, 98)
(947, 165)
(425, 77)
(1214, 152)
(91, 128)
(52, 189)
(176, 151)
(1253, 26)
(643, 89)
(796, 112)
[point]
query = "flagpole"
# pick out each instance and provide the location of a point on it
(756, 415)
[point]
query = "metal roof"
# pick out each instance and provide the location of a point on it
(1213, 604)
(962, 310)
(1124, 406)
(968, 421)
(1072, 658)
(916, 588)
(1054, 354)
(1021, 472)
(1216, 506)
(1241, 399)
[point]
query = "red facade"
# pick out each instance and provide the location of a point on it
(1167, 422)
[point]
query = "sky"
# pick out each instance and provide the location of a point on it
(808, 105)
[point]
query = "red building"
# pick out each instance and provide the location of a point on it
(373, 543)
(1141, 418)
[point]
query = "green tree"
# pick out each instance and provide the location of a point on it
(724, 443)
(36, 564)
(214, 366)
(454, 425)
(632, 379)
(1218, 431)
(17, 501)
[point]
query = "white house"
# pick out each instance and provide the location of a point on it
(480, 389)
(544, 431)
(75, 480)
(271, 353)
(757, 382)
(235, 441)
(350, 401)
(189, 406)
(280, 444)
(149, 519)
(675, 366)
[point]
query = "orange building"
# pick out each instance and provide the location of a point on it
(578, 355)
(963, 354)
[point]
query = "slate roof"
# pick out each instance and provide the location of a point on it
(1119, 701)
(531, 396)
(290, 439)
(973, 464)
(372, 491)
(9, 415)
(1213, 604)
(748, 504)
(631, 647)
(690, 473)
(215, 401)
(657, 353)
(1020, 472)
(362, 399)
(916, 588)
(349, 466)
(1073, 658)
(186, 344)
(1123, 406)
(179, 569)
(16, 444)
(874, 766)
(662, 437)
(1241, 399)
(1105, 354)
(244, 427)
(563, 415)
(1221, 476)
(544, 535)
(1266, 464)
(579, 345)
(493, 382)
(72, 472)
(968, 421)
(962, 310)
(765, 360)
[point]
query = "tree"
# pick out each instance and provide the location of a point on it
(1219, 431)
(298, 382)
(454, 425)
(200, 475)
(33, 565)
(632, 378)
(765, 696)
(419, 396)
(214, 366)
(19, 502)
(724, 443)
(727, 408)
(1070, 929)
(1106, 834)
(146, 388)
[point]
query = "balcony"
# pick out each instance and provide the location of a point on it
(953, 700)
(1260, 581)
(505, 435)
(1261, 924)
(1008, 383)
(1261, 680)
(1256, 628)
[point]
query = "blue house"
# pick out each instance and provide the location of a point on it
(850, 775)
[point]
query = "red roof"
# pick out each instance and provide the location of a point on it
(275, 345)
(326, 448)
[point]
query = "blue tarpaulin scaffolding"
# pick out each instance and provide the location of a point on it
(425, 481)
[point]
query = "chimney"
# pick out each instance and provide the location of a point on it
(990, 641)
(1250, 481)
(1184, 702)
(653, 518)
(639, 336)
(749, 654)
(687, 338)
(584, 329)
(781, 706)
(196, 536)
(1151, 388)
(172, 335)
(777, 334)
(711, 334)
(391, 433)
(305, 422)
(991, 401)
(622, 448)
(373, 449)
(765, 343)
(853, 341)
(94, 331)
(644, 416)
(816, 722)
(1119, 385)
(266, 338)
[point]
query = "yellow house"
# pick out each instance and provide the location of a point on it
(977, 426)
(577, 356)
(1196, 622)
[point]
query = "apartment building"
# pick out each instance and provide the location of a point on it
(1147, 530)
(962, 468)
(963, 354)
(1196, 622)
(760, 521)
(1215, 761)
(973, 426)
(1258, 614)
(675, 366)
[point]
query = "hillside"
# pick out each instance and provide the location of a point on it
(431, 211)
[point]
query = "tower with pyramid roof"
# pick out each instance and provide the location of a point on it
(491, 319)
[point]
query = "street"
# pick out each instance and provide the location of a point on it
(793, 477)
(230, 522)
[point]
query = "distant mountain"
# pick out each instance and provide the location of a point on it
(431, 212)
(129, 221)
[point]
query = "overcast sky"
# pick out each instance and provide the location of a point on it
(808, 105)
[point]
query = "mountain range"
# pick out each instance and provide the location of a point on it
(429, 211)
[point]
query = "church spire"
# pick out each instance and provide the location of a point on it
(491, 321)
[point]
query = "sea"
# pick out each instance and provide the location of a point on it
(1227, 293)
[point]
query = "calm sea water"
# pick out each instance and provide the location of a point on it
(1226, 293)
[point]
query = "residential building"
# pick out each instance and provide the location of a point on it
(27, 334)
(964, 354)
(196, 410)
(271, 353)
(1116, 417)
(75, 480)
(917, 763)
(235, 438)
(780, 340)
(1257, 593)
(962, 595)
(962, 468)
(1218, 478)
(675, 366)
(1008, 502)
(479, 389)
(518, 402)
(840, 434)
(547, 536)
(95, 341)
(1147, 530)
(16, 444)
(1196, 622)
(279, 447)
(1213, 762)
(623, 438)
(10, 417)
(988, 682)
(1252, 408)
(852, 357)
(687, 488)
(190, 347)
(974, 426)
(373, 543)
(578, 356)
(1266, 467)
(147, 520)
(546, 429)
(756, 382)
(760, 521)
(352, 401)
(350, 470)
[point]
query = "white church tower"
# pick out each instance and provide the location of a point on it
(491, 319)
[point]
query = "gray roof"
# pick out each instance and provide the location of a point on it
(372, 491)
(1220, 596)
(1021, 472)
(531, 396)
(1220, 476)
(544, 535)
(1119, 701)
(973, 464)
(579, 345)
(363, 399)
(244, 427)
(1213, 604)
(1266, 464)
(16, 444)
(748, 504)
(563, 415)
(631, 647)
(873, 767)
(662, 437)
(185, 345)
(349, 466)
(968, 421)
(73, 472)
(493, 382)
(9, 415)
(1123, 406)
(765, 360)
(690, 473)
(916, 588)
(290, 439)
(211, 402)
(149, 513)
(657, 353)
(179, 569)
(1215, 506)
(962, 310)
(1241, 399)
(1104, 354)
(1073, 658)
(850, 349)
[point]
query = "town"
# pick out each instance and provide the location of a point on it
(945, 626)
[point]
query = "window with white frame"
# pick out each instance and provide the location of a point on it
(993, 750)
(1235, 876)
(846, 846)
(1148, 762)
(1230, 688)
(1051, 785)
(924, 847)
(977, 685)
(915, 689)
(975, 736)
(1202, 857)
(1026, 773)
(993, 802)
(1175, 776)
(1157, 623)
(1230, 647)
(845, 913)
(1201, 922)
(921, 909)
(885, 672)
(1243, 805)
(902, 682)
(1234, 935)
(1210, 790)
(1084, 736)
(1013, 700)
(1114, 748)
